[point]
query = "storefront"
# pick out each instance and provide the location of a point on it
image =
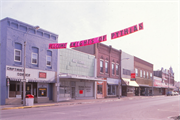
(112, 87)
(157, 88)
(77, 76)
(129, 87)
(38, 83)
(100, 89)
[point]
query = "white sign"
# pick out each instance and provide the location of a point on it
(31, 74)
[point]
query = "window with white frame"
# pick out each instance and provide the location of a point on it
(48, 60)
(17, 55)
(117, 69)
(101, 66)
(147, 75)
(113, 68)
(140, 73)
(34, 58)
(136, 71)
(151, 75)
(106, 66)
(144, 74)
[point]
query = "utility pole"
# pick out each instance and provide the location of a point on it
(24, 82)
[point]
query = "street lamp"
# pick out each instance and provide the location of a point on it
(24, 78)
(119, 84)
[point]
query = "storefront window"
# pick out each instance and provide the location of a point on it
(111, 89)
(64, 89)
(42, 92)
(99, 89)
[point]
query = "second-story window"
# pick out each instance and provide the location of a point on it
(140, 73)
(106, 66)
(34, 56)
(147, 75)
(151, 75)
(113, 68)
(17, 55)
(144, 74)
(136, 70)
(101, 66)
(117, 69)
(49, 58)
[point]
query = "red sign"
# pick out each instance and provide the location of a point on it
(133, 75)
(42, 75)
(80, 91)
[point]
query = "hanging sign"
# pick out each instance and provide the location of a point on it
(88, 41)
(57, 45)
(127, 31)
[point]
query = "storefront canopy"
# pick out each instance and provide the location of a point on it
(80, 77)
(112, 81)
(143, 85)
(128, 82)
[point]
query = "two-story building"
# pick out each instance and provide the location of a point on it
(108, 68)
(23, 44)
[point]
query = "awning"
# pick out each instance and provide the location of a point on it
(143, 85)
(112, 81)
(128, 82)
(31, 80)
(80, 77)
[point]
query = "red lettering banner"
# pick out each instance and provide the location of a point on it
(57, 45)
(88, 41)
(127, 31)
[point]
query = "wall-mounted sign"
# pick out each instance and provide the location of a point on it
(42, 75)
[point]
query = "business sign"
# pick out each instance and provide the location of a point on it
(127, 31)
(42, 75)
(133, 77)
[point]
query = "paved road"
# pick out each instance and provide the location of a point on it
(156, 108)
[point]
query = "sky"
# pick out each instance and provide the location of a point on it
(158, 43)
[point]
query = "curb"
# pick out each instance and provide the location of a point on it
(61, 104)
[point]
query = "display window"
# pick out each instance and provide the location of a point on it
(42, 92)
(111, 89)
(99, 89)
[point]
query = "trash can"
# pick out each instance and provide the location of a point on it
(29, 100)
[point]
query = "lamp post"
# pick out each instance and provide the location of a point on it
(119, 83)
(24, 78)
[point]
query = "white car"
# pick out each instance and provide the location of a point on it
(176, 93)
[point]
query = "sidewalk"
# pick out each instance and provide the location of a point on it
(74, 102)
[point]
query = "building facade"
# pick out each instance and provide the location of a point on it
(108, 68)
(40, 65)
(167, 77)
(127, 67)
(144, 76)
(77, 75)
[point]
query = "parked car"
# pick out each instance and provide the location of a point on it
(176, 93)
(170, 93)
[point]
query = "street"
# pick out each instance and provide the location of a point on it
(152, 108)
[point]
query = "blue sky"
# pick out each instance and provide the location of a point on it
(158, 43)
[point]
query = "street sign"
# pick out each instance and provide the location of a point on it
(24, 80)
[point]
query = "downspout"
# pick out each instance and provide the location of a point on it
(120, 77)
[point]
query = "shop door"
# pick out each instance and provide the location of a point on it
(73, 92)
(28, 89)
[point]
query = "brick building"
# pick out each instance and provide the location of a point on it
(108, 68)
(144, 76)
